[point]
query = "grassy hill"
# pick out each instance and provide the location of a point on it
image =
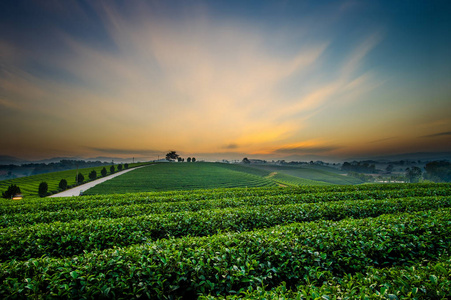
(182, 176)
(29, 185)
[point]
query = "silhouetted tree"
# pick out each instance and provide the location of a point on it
(171, 156)
(63, 184)
(43, 188)
(126, 166)
(93, 175)
(246, 161)
(188, 159)
(112, 170)
(193, 159)
(79, 178)
(11, 191)
(389, 168)
(103, 172)
(119, 167)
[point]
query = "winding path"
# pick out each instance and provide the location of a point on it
(76, 190)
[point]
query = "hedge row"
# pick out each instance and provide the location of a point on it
(426, 280)
(231, 263)
(71, 238)
(104, 204)
(108, 209)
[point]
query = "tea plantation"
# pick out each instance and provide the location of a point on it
(388, 241)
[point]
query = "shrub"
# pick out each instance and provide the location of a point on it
(43, 188)
(11, 191)
(93, 175)
(63, 184)
(79, 178)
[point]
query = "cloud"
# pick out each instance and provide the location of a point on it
(382, 140)
(306, 150)
(446, 133)
(231, 146)
(118, 151)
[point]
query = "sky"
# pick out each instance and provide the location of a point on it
(224, 79)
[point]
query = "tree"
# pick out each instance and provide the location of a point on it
(126, 166)
(63, 184)
(43, 188)
(103, 172)
(246, 161)
(414, 174)
(11, 191)
(93, 175)
(171, 156)
(389, 168)
(188, 159)
(79, 178)
(119, 167)
(438, 171)
(112, 170)
(193, 159)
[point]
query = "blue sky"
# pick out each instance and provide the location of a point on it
(224, 79)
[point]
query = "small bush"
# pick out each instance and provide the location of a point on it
(93, 175)
(63, 184)
(43, 188)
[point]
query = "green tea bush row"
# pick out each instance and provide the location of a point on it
(427, 280)
(230, 263)
(118, 211)
(61, 239)
(286, 196)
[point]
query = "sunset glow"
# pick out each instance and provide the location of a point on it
(224, 79)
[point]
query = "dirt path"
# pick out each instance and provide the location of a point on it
(76, 190)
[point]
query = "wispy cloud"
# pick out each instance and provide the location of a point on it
(440, 134)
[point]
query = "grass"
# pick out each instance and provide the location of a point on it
(29, 185)
(181, 176)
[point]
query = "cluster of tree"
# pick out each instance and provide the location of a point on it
(12, 191)
(360, 167)
(438, 171)
(173, 156)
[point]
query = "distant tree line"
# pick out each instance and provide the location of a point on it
(360, 167)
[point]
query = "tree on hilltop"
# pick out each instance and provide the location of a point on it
(193, 159)
(188, 159)
(172, 155)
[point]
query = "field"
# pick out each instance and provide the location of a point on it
(186, 176)
(387, 241)
(29, 185)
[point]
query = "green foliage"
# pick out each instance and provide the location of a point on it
(386, 241)
(11, 191)
(62, 184)
(79, 178)
(103, 172)
(439, 171)
(43, 189)
(119, 167)
(222, 264)
(30, 185)
(125, 166)
(112, 169)
(93, 175)
(166, 176)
